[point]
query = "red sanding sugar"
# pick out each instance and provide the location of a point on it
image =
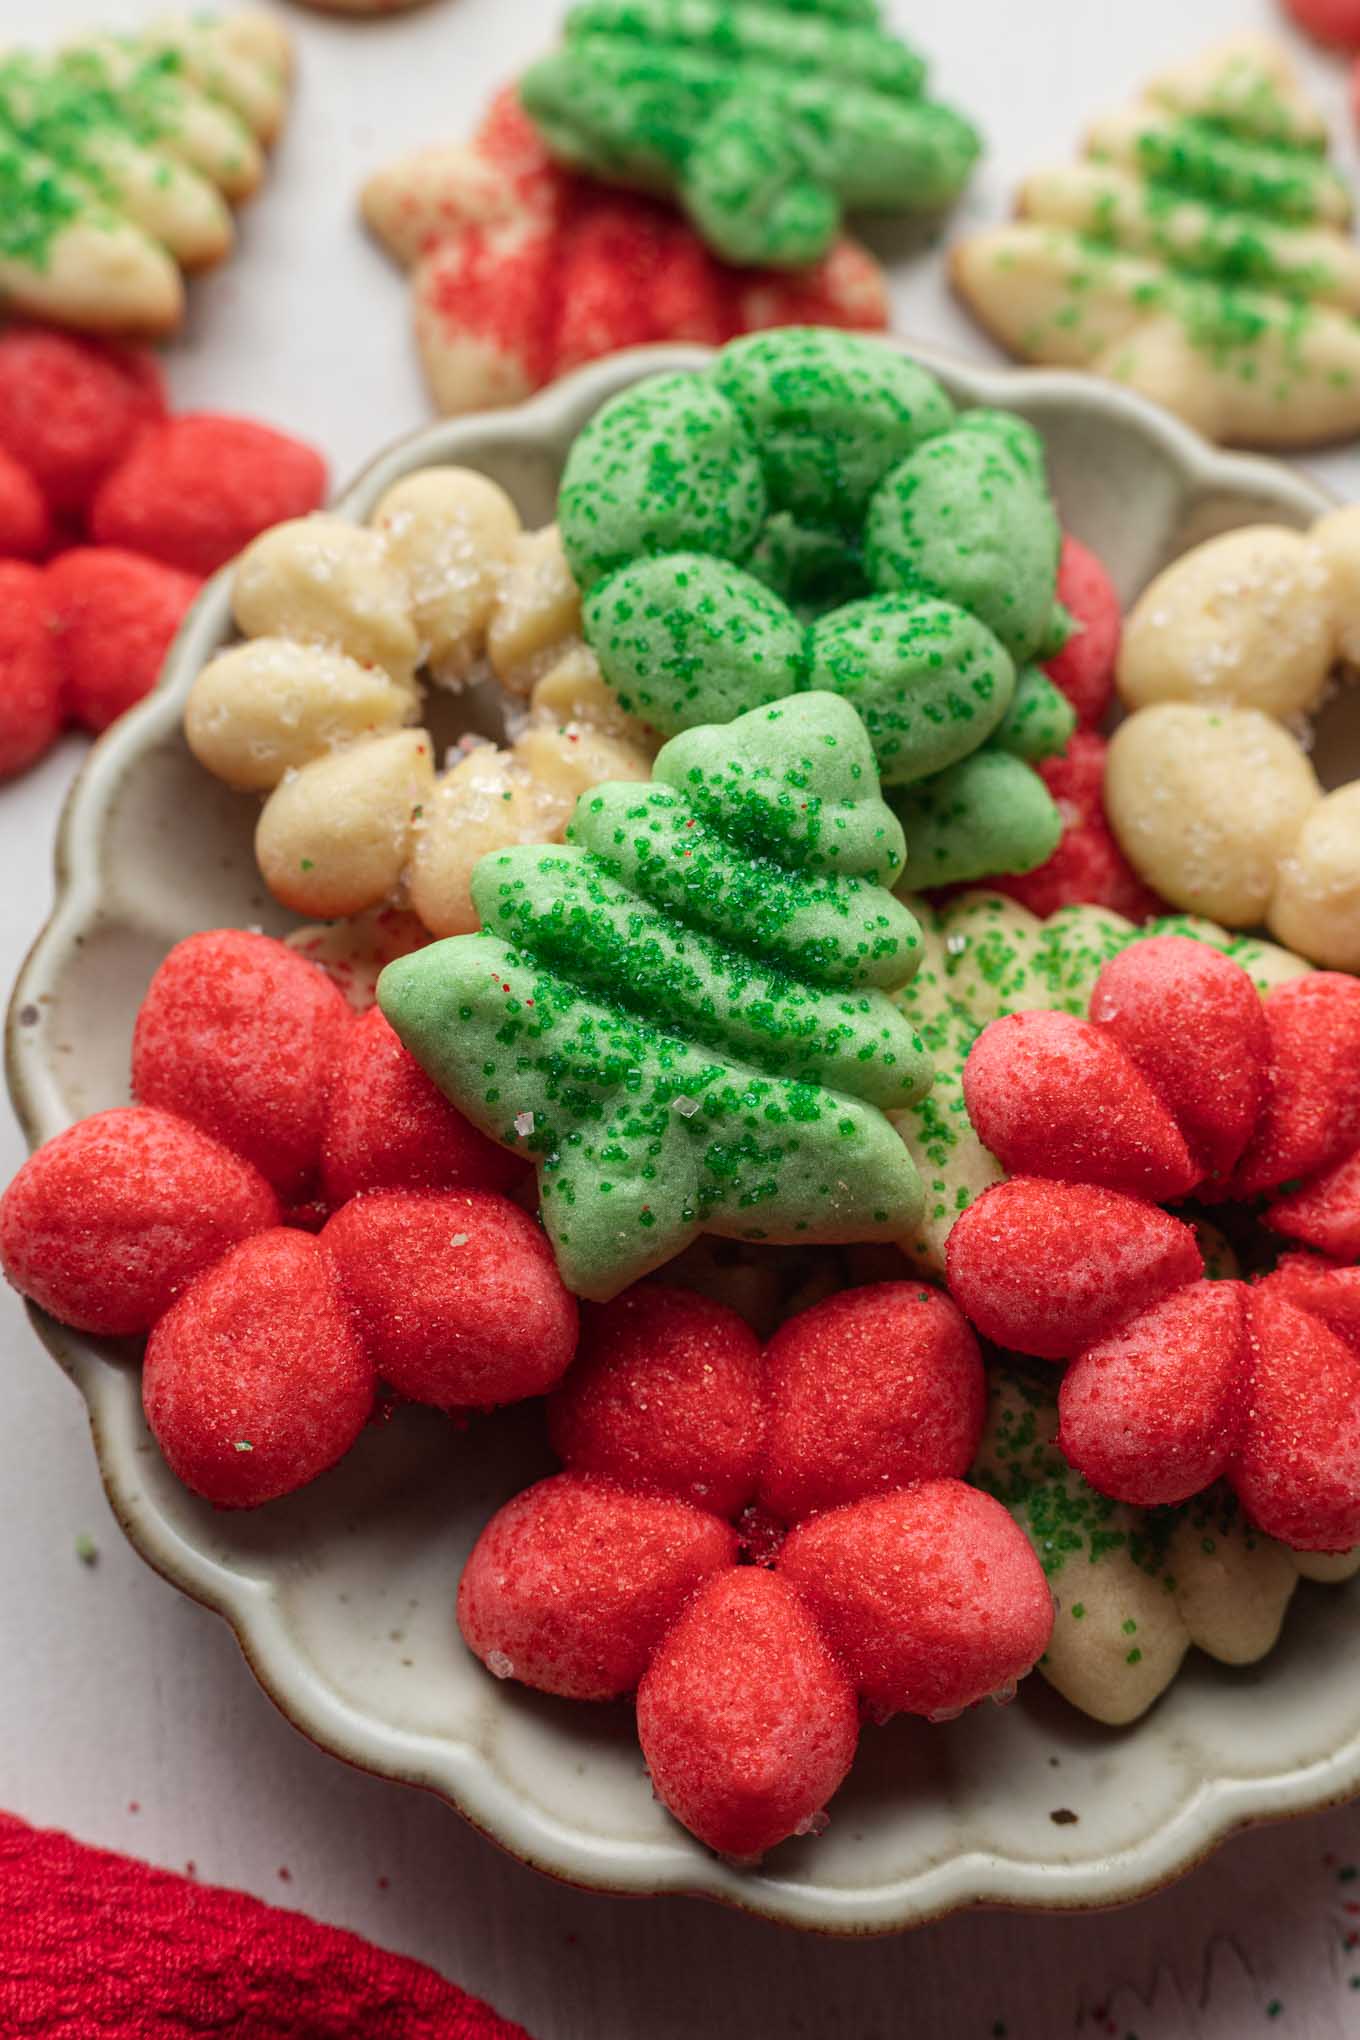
(748, 1725)
(1154, 1412)
(113, 616)
(241, 1035)
(457, 1295)
(71, 409)
(1298, 1472)
(1084, 668)
(666, 1393)
(31, 709)
(1311, 1114)
(106, 1224)
(573, 1583)
(27, 531)
(388, 1127)
(1051, 1095)
(931, 1598)
(256, 1380)
(1192, 1021)
(1050, 1268)
(194, 491)
(871, 1390)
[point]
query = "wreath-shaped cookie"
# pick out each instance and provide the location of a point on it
(809, 512)
(315, 708)
(1210, 787)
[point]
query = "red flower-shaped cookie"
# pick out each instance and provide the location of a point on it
(268, 1111)
(1181, 1082)
(884, 1582)
(523, 270)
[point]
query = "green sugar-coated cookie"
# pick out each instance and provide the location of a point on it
(828, 421)
(683, 1015)
(1039, 721)
(667, 467)
(686, 640)
(986, 814)
(968, 517)
(930, 681)
(764, 120)
(810, 512)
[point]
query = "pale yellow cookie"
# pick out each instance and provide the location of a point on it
(1133, 1589)
(314, 707)
(1210, 784)
(1198, 253)
(122, 157)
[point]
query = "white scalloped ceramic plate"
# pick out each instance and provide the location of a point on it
(342, 1597)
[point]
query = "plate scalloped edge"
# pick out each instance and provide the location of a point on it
(458, 1771)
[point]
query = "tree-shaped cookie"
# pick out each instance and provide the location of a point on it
(765, 120)
(522, 270)
(120, 161)
(684, 1014)
(1199, 252)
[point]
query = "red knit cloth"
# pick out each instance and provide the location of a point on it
(97, 1947)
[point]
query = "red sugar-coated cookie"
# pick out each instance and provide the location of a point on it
(389, 1128)
(874, 1389)
(457, 1295)
(26, 528)
(71, 409)
(107, 1223)
(665, 1392)
(1088, 868)
(1321, 1289)
(197, 489)
(1154, 1413)
(1311, 1115)
(573, 1583)
(1053, 1096)
(1325, 1212)
(1193, 1022)
(1050, 1268)
(255, 1381)
(1298, 1472)
(1084, 668)
(240, 1034)
(932, 1598)
(747, 1723)
(31, 713)
(1330, 21)
(112, 615)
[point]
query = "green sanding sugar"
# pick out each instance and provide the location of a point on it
(682, 1015)
(764, 120)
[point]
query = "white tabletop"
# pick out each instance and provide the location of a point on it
(126, 1714)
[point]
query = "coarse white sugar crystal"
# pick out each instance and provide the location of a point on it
(499, 1665)
(524, 1124)
(956, 944)
(687, 1107)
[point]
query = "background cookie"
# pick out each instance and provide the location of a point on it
(1198, 253)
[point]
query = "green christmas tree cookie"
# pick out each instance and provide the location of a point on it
(685, 1014)
(810, 512)
(765, 119)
